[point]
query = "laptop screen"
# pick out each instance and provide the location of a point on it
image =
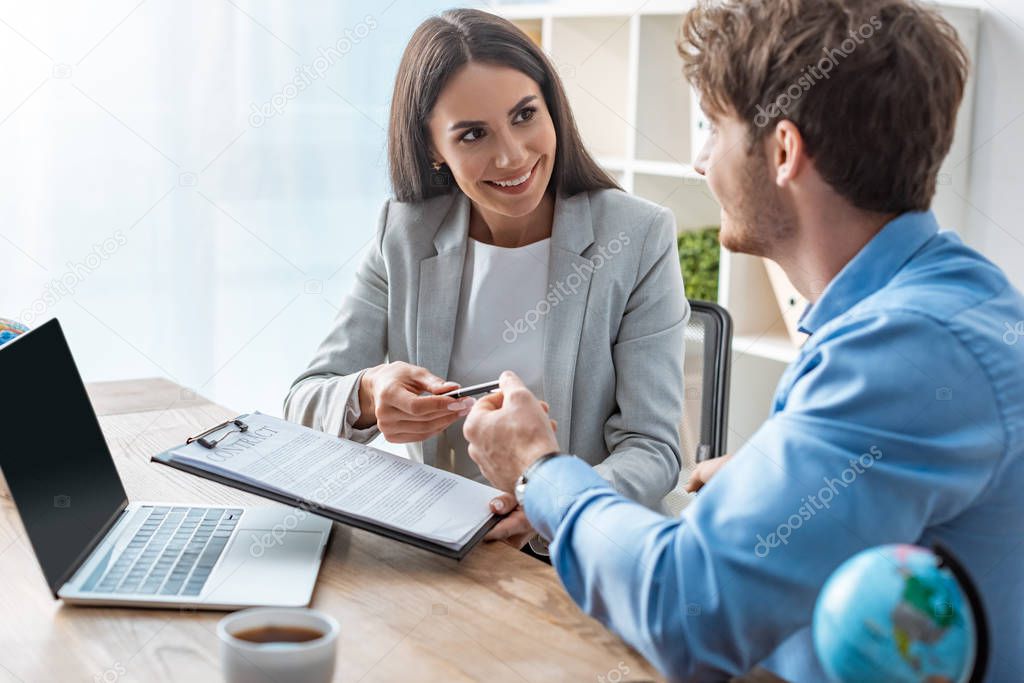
(53, 454)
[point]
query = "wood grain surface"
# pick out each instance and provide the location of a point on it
(405, 614)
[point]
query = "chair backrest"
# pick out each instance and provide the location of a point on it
(707, 358)
(707, 362)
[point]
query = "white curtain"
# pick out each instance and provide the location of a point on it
(188, 185)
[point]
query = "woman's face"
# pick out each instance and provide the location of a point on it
(491, 126)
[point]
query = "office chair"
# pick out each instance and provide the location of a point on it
(708, 357)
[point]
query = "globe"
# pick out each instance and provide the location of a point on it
(896, 613)
(9, 329)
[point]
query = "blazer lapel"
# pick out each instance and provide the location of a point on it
(569, 276)
(438, 299)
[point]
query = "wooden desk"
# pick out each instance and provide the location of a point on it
(405, 614)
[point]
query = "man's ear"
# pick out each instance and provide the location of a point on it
(787, 152)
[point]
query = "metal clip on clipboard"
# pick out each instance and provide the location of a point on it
(240, 427)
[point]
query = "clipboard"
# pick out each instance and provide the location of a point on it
(165, 458)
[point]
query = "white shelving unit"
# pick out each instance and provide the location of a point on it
(638, 117)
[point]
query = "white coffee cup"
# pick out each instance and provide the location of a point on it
(311, 661)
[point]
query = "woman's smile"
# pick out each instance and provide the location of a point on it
(515, 184)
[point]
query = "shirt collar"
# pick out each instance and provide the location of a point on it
(872, 267)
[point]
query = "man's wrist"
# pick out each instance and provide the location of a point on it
(533, 453)
(529, 472)
(541, 454)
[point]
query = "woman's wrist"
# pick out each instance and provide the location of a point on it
(367, 412)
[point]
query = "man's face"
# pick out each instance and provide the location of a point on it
(756, 215)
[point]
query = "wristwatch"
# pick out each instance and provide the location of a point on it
(520, 488)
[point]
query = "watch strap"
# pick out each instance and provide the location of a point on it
(524, 478)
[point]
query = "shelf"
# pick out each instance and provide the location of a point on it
(745, 289)
(592, 57)
(770, 346)
(616, 164)
(669, 169)
(593, 8)
(586, 8)
(662, 130)
(690, 200)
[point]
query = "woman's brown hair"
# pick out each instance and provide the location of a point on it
(439, 47)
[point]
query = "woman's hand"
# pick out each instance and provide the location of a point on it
(389, 396)
(703, 472)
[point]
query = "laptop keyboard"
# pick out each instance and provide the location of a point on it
(172, 553)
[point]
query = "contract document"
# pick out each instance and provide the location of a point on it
(346, 481)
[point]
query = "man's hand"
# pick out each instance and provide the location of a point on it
(507, 431)
(703, 472)
(515, 529)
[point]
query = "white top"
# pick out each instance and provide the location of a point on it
(499, 327)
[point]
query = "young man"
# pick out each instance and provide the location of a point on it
(902, 419)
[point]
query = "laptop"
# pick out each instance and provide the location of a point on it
(97, 547)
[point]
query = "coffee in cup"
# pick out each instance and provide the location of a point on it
(278, 644)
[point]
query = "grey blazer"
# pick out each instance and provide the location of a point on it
(613, 341)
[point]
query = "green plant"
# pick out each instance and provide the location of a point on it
(698, 258)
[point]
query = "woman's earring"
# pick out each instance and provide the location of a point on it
(439, 178)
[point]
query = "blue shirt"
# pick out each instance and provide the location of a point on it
(901, 421)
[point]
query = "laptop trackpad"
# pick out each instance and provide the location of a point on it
(264, 567)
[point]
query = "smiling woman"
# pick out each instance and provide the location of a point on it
(439, 49)
(500, 214)
(503, 162)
